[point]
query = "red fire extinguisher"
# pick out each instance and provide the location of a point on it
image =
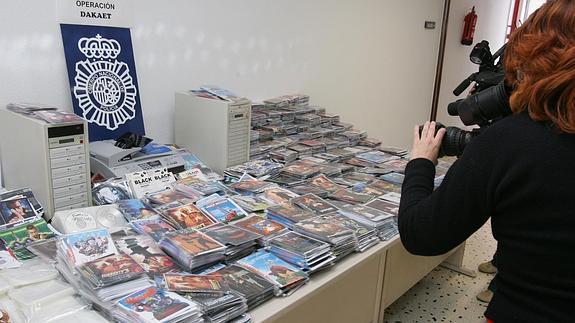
(469, 28)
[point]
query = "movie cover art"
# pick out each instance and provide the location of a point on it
(197, 184)
(155, 305)
(359, 229)
(250, 203)
(393, 177)
(45, 249)
(384, 206)
(260, 225)
(300, 170)
(87, 246)
(279, 271)
(244, 281)
(155, 228)
(16, 211)
(321, 227)
(370, 190)
(296, 242)
(376, 156)
(7, 257)
(309, 189)
(134, 209)
(23, 193)
(170, 196)
(392, 197)
(230, 235)
(367, 212)
(351, 197)
(278, 195)
(211, 284)
(224, 210)
(20, 236)
(325, 184)
(359, 177)
(397, 165)
(315, 204)
(187, 216)
(193, 242)
(285, 180)
(253, 186)
(4, 316)
(110, 270)
(147, 254)
(290, 212)
(57, 117)
(358, 162)
(312, 143)
(384, 186)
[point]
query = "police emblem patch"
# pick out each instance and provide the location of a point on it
(103, 85)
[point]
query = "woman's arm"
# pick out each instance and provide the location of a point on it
(434, 222)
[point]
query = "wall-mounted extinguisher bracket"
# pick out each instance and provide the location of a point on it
(469, 28)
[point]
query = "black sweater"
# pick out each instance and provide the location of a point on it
(520, 173)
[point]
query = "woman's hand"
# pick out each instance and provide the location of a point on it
(427, 144)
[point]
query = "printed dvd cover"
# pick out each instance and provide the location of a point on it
(156, 305)
(187, 216)
(210, 284)
(87, 246)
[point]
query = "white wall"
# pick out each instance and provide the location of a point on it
(369, 60)
(491, 26)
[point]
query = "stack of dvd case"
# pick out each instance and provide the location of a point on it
(284, 275)
(348, 196)
(284, 155)
(382, 221)
(112, 277)
(239, 242)
(77, 249)
(309, 189)
(251, 187)
(171, 198)
(147, 254)
(154, 227)
(308, 254)
(315, 204)
(384, 206)
(342, 239)
(266, 228)
(250, 203)
(278, 195)
(287, 214)
(211, 292)
(255, 288)
(192, 185)
(220, 308)
(256, 168)
(186, 216)
(367, 236)
(134, 209)
(156, 305)
(300, 170)
(92, 264)
(221, 208)
(192, 249)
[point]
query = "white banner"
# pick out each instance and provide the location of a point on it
(118, 13)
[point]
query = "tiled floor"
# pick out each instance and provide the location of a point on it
(446, 296)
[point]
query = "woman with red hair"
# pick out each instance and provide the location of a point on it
(519, 172)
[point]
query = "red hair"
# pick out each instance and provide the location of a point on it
(540, 65)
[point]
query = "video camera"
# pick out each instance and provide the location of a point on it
(487, 103)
